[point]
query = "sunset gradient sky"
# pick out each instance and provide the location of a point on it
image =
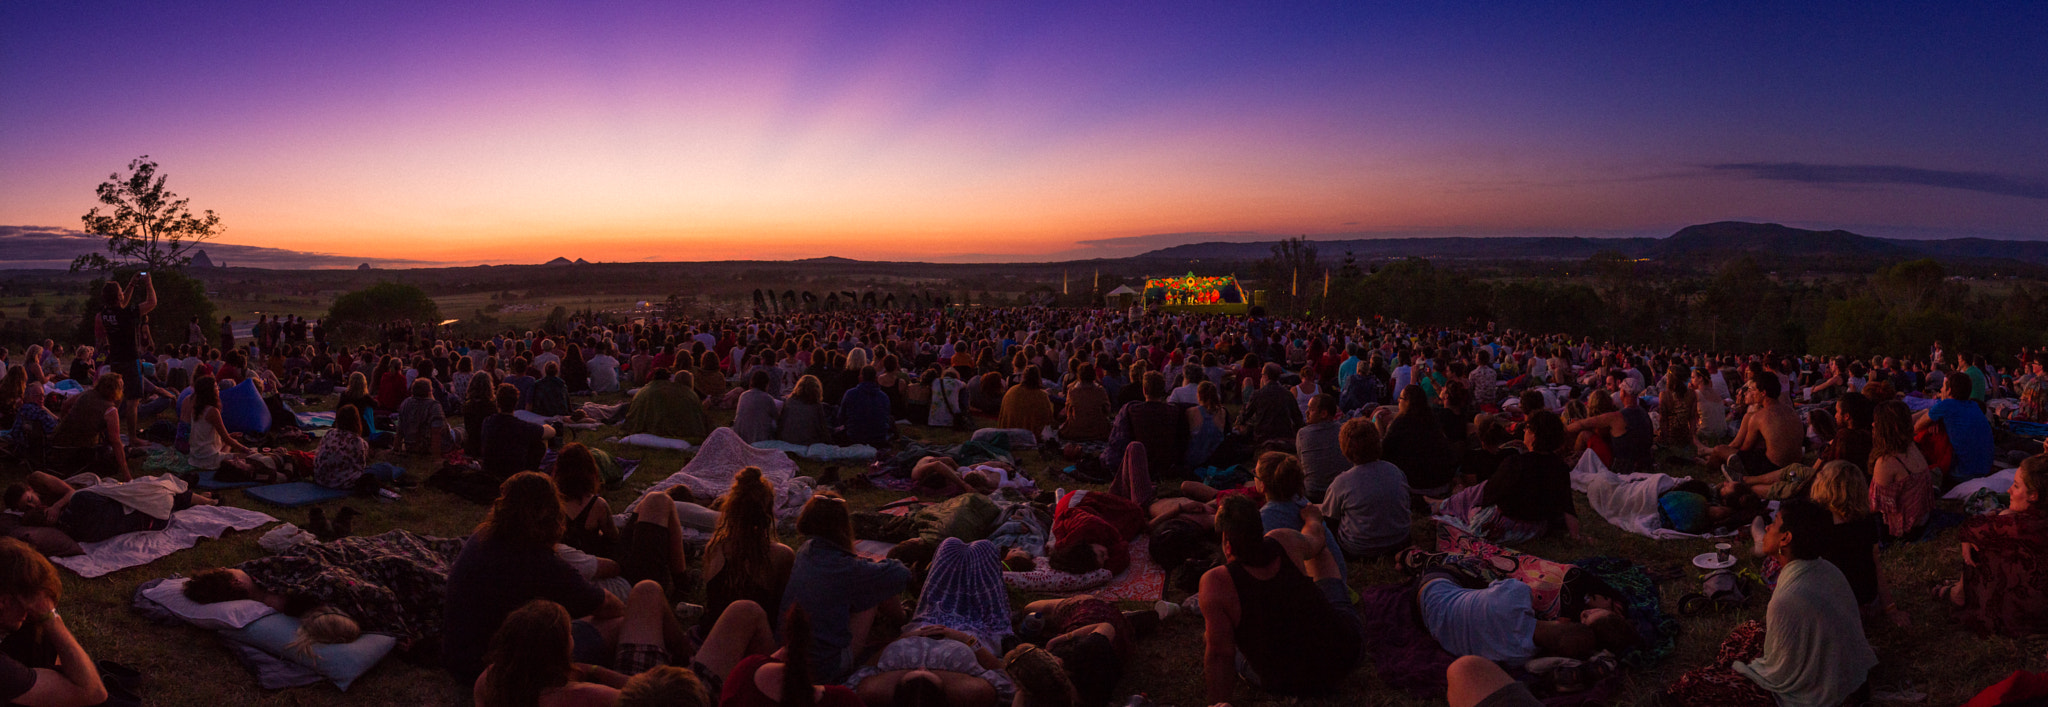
(1011, 131)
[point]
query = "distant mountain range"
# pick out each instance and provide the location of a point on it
(1718, 239)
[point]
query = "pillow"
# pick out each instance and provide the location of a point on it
(49, 541)
(243, 409)
(340, 663)
(219, 616)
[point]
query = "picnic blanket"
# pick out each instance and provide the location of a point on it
(822, 452)
(1144, 580)
(2000, 482)
(315, 420)
(709, 474)
(186, 529)
(1628, 501)
(1641, 605)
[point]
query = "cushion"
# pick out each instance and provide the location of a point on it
(296, 493)
(243, 409)
(218, 616)
(49, 541)
(341, 663)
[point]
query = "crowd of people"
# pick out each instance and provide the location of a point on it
(1342, 433)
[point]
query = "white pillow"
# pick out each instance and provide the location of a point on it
(219, 616)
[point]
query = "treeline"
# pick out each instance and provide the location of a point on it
(1899, 310)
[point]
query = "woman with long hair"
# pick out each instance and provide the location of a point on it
(575, 371)
(508, 561)
(1679, 406)
(1415, 443)
(1207, 421)
(1026, 406)
(743, 561)
(344, 453)
(590, 527)
(531, 664)
(804, 419)
(210, 444)
(1903, 487)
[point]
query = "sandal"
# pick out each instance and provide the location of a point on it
(1942, 591)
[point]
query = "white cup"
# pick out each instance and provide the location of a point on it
(1721, 552)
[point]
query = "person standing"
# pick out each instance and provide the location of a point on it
(117, 330)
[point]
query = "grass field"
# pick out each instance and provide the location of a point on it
(189, 667)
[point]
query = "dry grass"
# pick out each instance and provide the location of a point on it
(189, 667)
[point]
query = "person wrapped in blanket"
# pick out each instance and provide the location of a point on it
(1092, 530)
(1810, 651)
(2002, 588)
(391, 584)
(101, 510)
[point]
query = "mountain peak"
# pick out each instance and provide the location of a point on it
(559, 260)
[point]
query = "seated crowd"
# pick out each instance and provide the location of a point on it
(1341, 439)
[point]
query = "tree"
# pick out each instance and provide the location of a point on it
(35, 309)
(358, 315)
(147, 225)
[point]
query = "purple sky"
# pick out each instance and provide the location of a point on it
(414, 131)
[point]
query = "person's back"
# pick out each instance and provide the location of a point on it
(1289, 633)
(491, 579)
(1633, 448)
(754, 417)
(1321, 461)
(804, 422)
(1969, 433)
(1273, 413)
(1801, 663)
(83, 424)
(864, 412)
(1370, 504)
(511, 445)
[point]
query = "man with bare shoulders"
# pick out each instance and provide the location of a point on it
(1770, 437)
(1277, 613)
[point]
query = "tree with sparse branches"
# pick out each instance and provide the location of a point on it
(144, 223)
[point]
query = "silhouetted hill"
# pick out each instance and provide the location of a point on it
(1456, 248)
(1703, 242)
(1729, 237)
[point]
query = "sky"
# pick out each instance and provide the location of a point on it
(991, 131)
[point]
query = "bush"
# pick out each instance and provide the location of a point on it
(357, 316)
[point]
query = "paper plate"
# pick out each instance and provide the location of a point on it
(1707, 561)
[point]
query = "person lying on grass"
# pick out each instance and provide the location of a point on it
(102, 511)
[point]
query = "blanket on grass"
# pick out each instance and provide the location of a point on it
(857, 453)
(187, 528)
(1628, 501)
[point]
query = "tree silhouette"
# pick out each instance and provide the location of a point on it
(144, 223)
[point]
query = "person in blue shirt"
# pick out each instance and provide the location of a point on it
(1280, 477)
(1347, 368)
(864, 412)
(1969, 431)
(840, 591)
